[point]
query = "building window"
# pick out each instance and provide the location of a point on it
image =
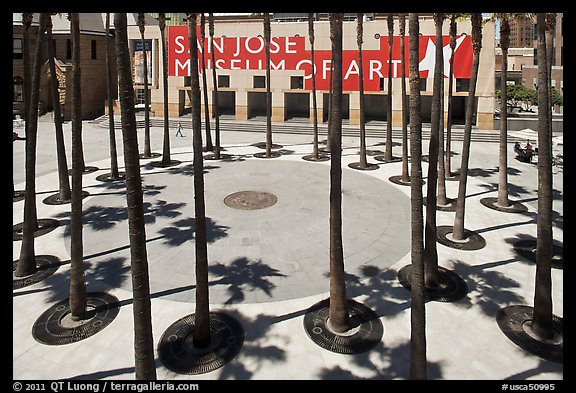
(93, 50)
(462, 84)
(423, 84)
(296, 82)
(381, 84)
(18, 89)
(223, 80)
(17, 48)
(259, 82)
(68, 48)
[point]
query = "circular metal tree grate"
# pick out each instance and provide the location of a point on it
(472, 240)
(87, 170)
(250, 200)
(55, 199)
(46, 266)
(178, 353)
(383, 158)
(451, 286)
(366, 333)
(527, 249)
(107, 177)
(369, 167)
(152, 155)
(262, 145)
(515, 321)
(45, 225)
(18, 195)
(320, 157)
(55, 327)
(492, 203)
(273, 154)
(222, 157)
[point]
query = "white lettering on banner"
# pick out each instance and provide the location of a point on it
(179, 45)
(233, 66)
(219, 48)
(352, 69)
(185, 67)
(289, 44)
(260, 48)
(219, 63)
(279, 66)
(395, 67)
(309, 62)
(274, 46)
(375, 67)
(326, 66)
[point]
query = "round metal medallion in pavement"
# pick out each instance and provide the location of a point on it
(366, 332)
(451, 287)
(250, 200)
(515, 322)
(527, 249)
(55, 327)
(46, 266)
(45, 225)
(178, 353)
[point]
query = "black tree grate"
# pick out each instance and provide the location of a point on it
(102, 309)
(451, 286)
(87, 170)
(107, 177)
(472, 240)
(55, 199)
(177, 352)
(369, 166)
(513, 320)
(45, 225)
(369, 328)
(492, 203)
(527, 249)
(46, 266)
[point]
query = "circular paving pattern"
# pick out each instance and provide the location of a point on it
(46, 266)
(178, 353)
(55, 327)
(280, 252)
(514, 321)
(366, 332)
(250, 200)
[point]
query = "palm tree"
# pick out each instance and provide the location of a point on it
(147, 149)
(268, 93)
(215, 105)
(202, 314)
(209, 145)
(27, 261)
(458, 230)
(405, 176)
(315, 156)
(418, 307)
(442, 200)
(110, 85)
(143, 340)
(78, 299)
(64, 194)
(388, 152)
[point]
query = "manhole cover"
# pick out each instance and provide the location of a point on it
(368, 333)
(177, 352)
(52, 328)
(250, 200)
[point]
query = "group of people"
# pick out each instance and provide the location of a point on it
(525, 153)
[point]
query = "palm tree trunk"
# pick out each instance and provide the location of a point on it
(202, 314)
(314, 101)
(441, 200)
(503, 154)
(543, 317)
(458, 231)
(209, 145)
(147, 147)
(338, 314)
(430, 250)
(448, 150)
(215, 106)
(268, 93)
(63, 179)
(388, 153)
(27, 261)
(114, 173)
(166, 140)
(143, 340)
(77, 283)
(418, 307)
(363, 160)
(405, 175)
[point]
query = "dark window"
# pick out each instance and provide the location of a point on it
(223, 80)
(381, 84)
(93, 50)
(18, 89)
(259, 82)
(17, 48)
(296, 82)
(462, 84)
(68, 48)
(423, 84)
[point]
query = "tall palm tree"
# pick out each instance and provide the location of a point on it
(27, 261)
(201, 332)
(78, 299)
(64, 193)
(405, 175)
(418, 367)
(388, 152)
(458, 230)
(110, 85)
(550, 30)
(215, 105)
(543, 317)
(442, 200)
(268, 93)
(363, 164)
(339, 315)
(142, 27)
(209, 145)
(430, 250)
(143, 340)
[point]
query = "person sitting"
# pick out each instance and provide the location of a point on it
(528, 152)
(517, 148)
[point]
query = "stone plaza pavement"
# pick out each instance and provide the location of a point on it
(268, 266)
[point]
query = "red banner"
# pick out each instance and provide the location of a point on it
(289, 53)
